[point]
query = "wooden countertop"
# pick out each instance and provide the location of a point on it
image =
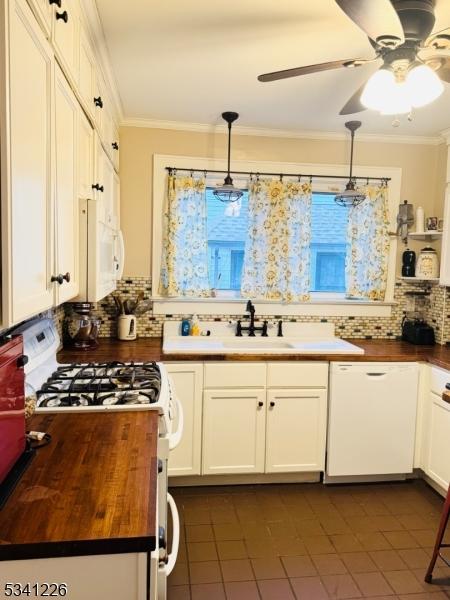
(92, 490)
(150, 349)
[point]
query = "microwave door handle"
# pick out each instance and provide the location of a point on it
(175, 438)
(171, 559)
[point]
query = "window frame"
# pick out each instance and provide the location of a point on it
(321, 303)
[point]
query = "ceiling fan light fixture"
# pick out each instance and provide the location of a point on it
(385, 94)
(227, 192)
(423, 85)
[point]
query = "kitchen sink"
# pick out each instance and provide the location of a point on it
(254, 342)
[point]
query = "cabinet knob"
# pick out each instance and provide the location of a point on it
(22, 361)
(98, 187)
(64, 16)
(98, 102)
(260, 404)
(115, 145)
(272, 404)
(57, 2)
(66, 277)
(60, 278)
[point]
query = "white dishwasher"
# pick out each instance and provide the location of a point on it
(371, 420)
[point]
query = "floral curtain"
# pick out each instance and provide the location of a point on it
(184, 265)
(277, 254)
(368, 246)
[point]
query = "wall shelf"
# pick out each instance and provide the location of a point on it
(426, 236)
(419, 280)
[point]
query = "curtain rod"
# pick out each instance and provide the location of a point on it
(173, 170)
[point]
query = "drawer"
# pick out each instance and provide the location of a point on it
(439, 377)
(297, 374)
(242, 375)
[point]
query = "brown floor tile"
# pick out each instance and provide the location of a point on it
(197, 516)
(403, 582)
(425, 537)
(329, 564)
(256, 531)
(372, 584)
(227, 531)
(387, 560)
(268, 568)
(223, 515)
(290, 547)
(318, 544)
(387, 523)
(237, 570)
(346, 543)
(228, 550)
(179, 592)
(341, 586)
(335, 525)
(306, 527)
(309, 588)
(351, 509)
(205, 572)
(275, 589)
(199, 533)
(415, 558)
(208, 591)
(358, 562)
(241, 590)
(375, 508)
(282, 530)
(410, 522)
(373, 541)
(362, 524)
(256, 549)
(180, 574)
(201, 551)
(424, 596)
(298, 566)
(401, 539)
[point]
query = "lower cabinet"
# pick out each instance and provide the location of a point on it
(233, 431)
(187, 380)
(438, 465)
(296, 430)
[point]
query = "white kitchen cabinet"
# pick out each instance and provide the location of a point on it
(233, 431)
(187, 379)
(66, 27)
(44, 13)
(27, 183)
(296, 430)
(445, 251)
(86, 85)
(66, 190)
(438, 464)
(115, 146)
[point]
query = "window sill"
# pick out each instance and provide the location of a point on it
(232, 306)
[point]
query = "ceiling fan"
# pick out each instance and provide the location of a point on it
(399, 31)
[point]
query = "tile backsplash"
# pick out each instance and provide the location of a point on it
(150, 325)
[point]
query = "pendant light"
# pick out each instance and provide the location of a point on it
(350, 196)
(228, 192)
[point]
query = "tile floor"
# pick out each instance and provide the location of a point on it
(307, 542)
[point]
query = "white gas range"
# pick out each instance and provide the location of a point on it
(111, 386)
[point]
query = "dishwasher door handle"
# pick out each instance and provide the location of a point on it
(375, 374)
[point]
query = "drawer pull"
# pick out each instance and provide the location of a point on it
(260, 404)
(57, 2)
(272, 404)
(115, 145)
(64, 16)
(98, 102)
(98, 187)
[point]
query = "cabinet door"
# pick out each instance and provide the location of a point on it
(86, 72)
(67, 216)
(28, 219)
(438, 464)
(85, 170)
(233, 431)
(115, 146)
(187, 381)
(296, 430)
(44, 12)
(66, 36)
(445, 254)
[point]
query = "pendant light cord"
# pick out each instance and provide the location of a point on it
(351, 154)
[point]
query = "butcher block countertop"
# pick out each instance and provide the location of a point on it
(147, 349)
(92, 490)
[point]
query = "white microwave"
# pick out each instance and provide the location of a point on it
(102, 252)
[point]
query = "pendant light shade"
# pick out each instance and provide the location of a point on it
(228, 192)
(350, 196)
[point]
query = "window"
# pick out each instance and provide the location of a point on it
(226, 241)
(227, 229)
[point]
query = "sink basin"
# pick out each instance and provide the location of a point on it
(250, 343)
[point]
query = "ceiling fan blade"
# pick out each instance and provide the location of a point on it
(378, 19)
(354, 104)
(335, 64)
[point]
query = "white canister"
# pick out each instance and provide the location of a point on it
(126, 327)
(427, 266)
(420, 220)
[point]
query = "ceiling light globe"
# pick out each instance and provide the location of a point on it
(378, 87)
(423, 85)
(398, 102)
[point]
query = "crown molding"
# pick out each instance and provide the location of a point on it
(283, 133)
(445, 134)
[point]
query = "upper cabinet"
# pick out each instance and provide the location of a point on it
(445, 252)
(27, 184)
(54, 104)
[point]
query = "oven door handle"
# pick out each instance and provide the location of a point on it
(172, 557)
(175, 438)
